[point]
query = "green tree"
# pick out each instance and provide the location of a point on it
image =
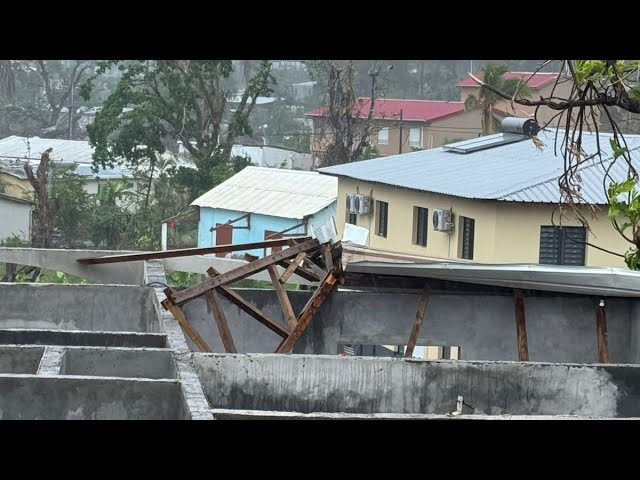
(493, 75)
(70, 205)
(171, 100)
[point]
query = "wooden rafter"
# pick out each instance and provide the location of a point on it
(249, 308)
(186, 326)
(309, 275)
(417, 324)
(221, 321)
(183, 252)
(239, 273)
(308, 312)
(296, 263)
(283, 298)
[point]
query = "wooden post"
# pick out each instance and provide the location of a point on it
(297, 262)
(221, 321)
(249, 308)
(186, 326)
(601, 326)
(287, 309)
(521, 327)
(308, 312)
(415, 331)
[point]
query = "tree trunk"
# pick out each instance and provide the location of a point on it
(42, 233)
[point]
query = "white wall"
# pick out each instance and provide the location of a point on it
(15, 219)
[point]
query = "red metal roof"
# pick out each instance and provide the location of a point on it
(538, 80)
(412, 110)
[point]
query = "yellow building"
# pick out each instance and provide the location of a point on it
(492, 199)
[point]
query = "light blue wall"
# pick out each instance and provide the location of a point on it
(209, 217)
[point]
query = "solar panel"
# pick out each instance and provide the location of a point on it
(482, 143)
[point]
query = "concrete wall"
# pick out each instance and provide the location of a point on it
(15, 219)
(129, 273)
(382, 385)
(20, 359)
(78, 307)
(209, 217)
(31, 397)
(505, 232)
(122, 362)
(559, 329)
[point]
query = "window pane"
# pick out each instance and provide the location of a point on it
(382, 218)
(421, 225)
(562, 245)
(414, 137)
(383, 136)
(467, 239)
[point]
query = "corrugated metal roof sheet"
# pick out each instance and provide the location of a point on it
(412, 110)
(273, 191)
(75, 151)
(606, 281)
(538, 80)
(513, 172)
(106, 174)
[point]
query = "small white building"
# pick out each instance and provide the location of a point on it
(15, 218)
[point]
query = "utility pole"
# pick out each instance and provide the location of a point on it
(400, 142)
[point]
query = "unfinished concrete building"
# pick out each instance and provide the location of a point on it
(532, 341)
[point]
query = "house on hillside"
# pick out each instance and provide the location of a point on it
(16, 218)
(424, 123)
(488, 199)
(275, 157)
(541, 84)
(265, 203)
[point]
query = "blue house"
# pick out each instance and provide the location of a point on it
(261, 203)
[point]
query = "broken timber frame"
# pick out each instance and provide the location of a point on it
(184, 252)
(417, 324)
(239, 273)
(299, 252)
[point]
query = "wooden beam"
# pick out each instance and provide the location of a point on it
(221, 321)
(186, 326)
(521, 327)
(239, 273)
(417, 323)
(303, 272)
(249, 308)
(183, 252)
(601, 327)
(297, 262)
(328, 256)
(285, 304)
(315, 268)
(247, 257)
(308, 312)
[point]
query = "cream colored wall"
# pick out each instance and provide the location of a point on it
(505, 232)
(400, 224)
(462, 125)
(518, 234)
(15, 187)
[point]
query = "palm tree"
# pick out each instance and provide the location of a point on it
(493, 75)
(7, 79)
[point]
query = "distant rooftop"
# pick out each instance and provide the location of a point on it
(533, 80)
(273, 191)
(511, 172)
(69, 151)
(412, 110)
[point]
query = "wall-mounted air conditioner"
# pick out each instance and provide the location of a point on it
(442, 220)
(363, 204)
(351, 203)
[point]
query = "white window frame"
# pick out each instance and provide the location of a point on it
(415, 142)
(383, 140)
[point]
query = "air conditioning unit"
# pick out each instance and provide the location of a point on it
(442, 220)
(351, 203)
(363, 204)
